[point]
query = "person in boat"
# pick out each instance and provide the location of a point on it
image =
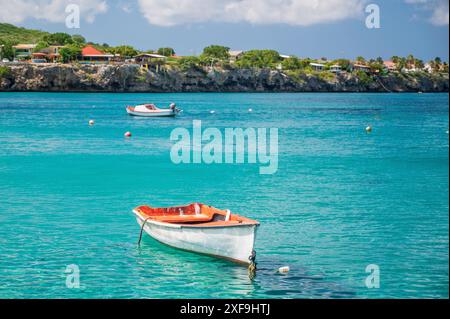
(173, 107)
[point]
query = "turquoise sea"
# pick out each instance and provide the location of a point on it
(341, 200)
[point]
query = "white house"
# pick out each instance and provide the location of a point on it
(317, 66)
(336, 68)
(361, 67)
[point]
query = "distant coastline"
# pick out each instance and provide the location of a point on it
(131, 78)
(38, 61)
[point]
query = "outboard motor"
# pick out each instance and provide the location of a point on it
(174, 109)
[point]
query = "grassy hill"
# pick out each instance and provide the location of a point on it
(11, 33)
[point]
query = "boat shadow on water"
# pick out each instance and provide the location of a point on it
(230, 280)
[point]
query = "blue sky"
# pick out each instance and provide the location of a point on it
(307, 28)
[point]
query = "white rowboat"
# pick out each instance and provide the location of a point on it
(202, 229)
(150, 110)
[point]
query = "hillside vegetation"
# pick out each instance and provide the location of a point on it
(219, 58)
(11, 33)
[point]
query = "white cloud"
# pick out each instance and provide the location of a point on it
(439, 9)
(292, 12)
(16, 11)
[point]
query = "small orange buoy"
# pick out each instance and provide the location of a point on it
(91, 122)
(128, 134)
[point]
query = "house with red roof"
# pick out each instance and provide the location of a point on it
(90, 55)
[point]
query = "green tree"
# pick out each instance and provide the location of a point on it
(166, 52)
(292, 64)
(259, 59)
(217, 52)
(78, 39)
(344, 63)
(58, 38)
(40, 46)
(69, 53)
(419, 64)
(401, 64)
(410, 61)
(4, 71)
(376, 66)
(437, 64)
(6, 50)
(124, 51)
(189, 62)
(395, 59)
(361, 60)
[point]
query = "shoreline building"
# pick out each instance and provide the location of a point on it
(147, 60)
(360, 67)
(90, 55)
(319, 67)
(390, 66)
(336, 68)
(24, 51)
(50, 54)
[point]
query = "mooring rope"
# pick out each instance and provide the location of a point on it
(142, 230)
(252, 266)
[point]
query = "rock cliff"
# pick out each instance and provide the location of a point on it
(130, 78)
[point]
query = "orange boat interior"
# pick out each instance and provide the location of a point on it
(150, 107)
(194, 214)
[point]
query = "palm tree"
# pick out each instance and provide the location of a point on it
(395, 59)
(401, 64)
(437, 64)
(419, 64)
(410, 61)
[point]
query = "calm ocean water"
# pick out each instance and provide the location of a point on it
(342, 199)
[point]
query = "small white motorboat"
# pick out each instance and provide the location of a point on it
(150, 110)
(202, 229)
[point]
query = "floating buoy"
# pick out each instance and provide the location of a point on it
(91, 122)
(250, 110)
(127, 134)
(369, 129)
(284, 270)
(212, 112)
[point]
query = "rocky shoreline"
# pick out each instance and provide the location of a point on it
(131, 78)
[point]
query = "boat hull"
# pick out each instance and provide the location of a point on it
(160, 113)
(235, 243)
